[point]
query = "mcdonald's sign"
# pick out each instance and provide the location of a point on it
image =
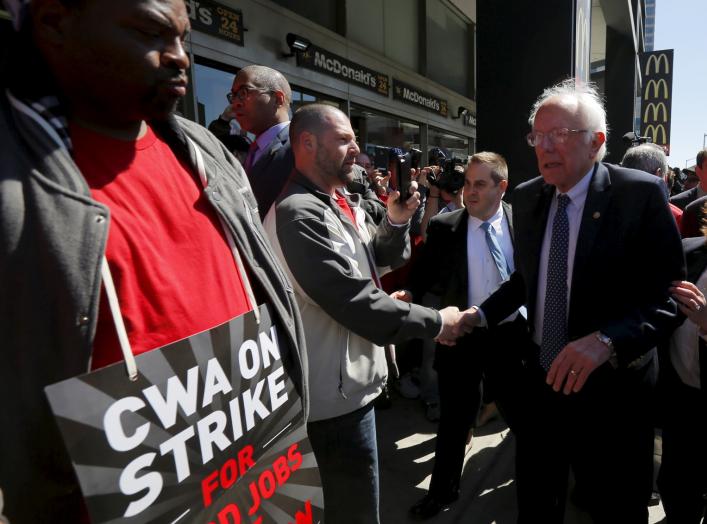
(657, 133)
(656, 85)
(656, 95)
(656, 110)
(656, 60)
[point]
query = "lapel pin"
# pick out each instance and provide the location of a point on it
(596, 214)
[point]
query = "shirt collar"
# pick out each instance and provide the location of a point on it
(267, 136)
(495, 220)
(579, 191)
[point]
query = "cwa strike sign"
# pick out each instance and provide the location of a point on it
(211, 432)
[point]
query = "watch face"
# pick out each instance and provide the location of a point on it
(605, 340)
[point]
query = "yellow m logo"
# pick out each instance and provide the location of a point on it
(655, 131)
(657, 60)
(656, 85)
(657, 110)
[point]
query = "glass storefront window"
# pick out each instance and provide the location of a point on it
(450, 48)
(375, 129)
(453, 145)
(302, 97)
(386, 26)
(211, 82)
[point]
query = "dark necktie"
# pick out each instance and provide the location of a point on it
(555, 319)
(495, 250)
(249, 160)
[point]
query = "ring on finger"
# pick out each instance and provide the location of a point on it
(573, 372)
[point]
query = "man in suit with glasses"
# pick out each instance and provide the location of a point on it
(596, 250)
(260, 101)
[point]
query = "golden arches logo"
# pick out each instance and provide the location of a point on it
(657, 60)
(656, 85)
(654, 131)
(658, 110)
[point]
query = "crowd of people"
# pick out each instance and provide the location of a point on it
(561, 300)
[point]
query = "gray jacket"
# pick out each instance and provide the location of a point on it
(52, 240)
(347, 317)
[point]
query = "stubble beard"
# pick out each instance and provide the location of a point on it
(341, 173)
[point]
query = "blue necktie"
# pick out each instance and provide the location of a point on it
(495, 251)
(555, 319)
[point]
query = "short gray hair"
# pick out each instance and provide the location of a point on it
(588, 99)
(646, 157)
(269, 78)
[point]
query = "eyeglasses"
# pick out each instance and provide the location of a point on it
(559, 135)
(244, 92)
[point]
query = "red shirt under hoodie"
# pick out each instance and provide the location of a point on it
(174, 273)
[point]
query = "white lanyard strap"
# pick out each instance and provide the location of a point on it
(128, 356)
(229, 237)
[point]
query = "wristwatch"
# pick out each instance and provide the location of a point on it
(604, 339)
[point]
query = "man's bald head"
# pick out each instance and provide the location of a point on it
(268, 78)
(314, 119)
(324, 145)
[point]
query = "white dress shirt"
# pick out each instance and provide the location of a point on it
(265, 138)
(483, 275)
(578, 196)
(684, 346)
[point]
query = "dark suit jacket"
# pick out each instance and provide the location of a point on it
(696, 259)
(441, 268)
(693, 218)
(683, 199)
(268, 175)
(628, 252)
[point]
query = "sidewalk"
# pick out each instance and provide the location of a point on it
(406, 442)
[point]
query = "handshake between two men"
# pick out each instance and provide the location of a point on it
(457, 323)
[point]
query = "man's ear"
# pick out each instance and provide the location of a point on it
(280, 98)
(50, 21)
(308, 141)
(503, 184)
(598, 140)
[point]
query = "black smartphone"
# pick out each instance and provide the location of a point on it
(403, 166)
(415, 156)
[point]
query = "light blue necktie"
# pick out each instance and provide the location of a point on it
(495, 250)
(555, 319)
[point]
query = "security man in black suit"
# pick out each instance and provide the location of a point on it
(596, 251)
(682, 200)
(467, 255)
(260, 101)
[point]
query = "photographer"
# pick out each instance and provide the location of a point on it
(445, 181)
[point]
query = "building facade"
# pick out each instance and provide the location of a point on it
(403, 70)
